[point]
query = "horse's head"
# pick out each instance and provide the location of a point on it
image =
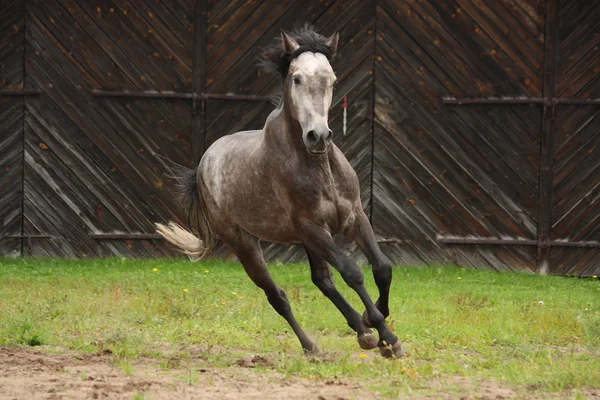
(309, 89)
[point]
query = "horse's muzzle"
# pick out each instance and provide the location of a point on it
(316, 142)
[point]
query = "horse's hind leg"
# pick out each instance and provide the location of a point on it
(323, 279)
(382, 267)
(248, 251)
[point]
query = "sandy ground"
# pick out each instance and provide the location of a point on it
(30, 374)
(34, 374)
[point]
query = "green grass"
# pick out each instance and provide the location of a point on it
(453, 322)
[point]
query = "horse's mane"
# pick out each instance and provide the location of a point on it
(275, 59)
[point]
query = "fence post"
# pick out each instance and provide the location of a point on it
(199, 79)
(547, 139)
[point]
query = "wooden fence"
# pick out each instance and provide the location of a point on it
(473, 125)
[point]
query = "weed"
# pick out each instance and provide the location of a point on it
(469, 300)
(127, 367)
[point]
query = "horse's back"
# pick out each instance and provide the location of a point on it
(229, 146)
(227, 162)
(225, 142)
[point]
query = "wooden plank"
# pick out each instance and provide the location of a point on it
(11, 126)
(224, 16)
(89, 40)
(131, 42)
(198, 132)
(177, 30)
(183, 10)
(162, 41)
(520, 44)
(575, 203)
(579, 50)
(11, 170)
(576, 188)
(474, 54)
(548, 133)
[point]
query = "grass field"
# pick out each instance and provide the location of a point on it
(533, 334)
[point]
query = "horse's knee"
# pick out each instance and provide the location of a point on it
(376, 318)
(324, 283)
(383, 273)
(278, 300)
(352, 275)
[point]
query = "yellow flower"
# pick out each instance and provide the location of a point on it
(362, 355)
(594, 277)
(206, 271)
(459, 278)
(241, 297)
(233, 293)
(136, 298)
(154, 269)
(185, 290)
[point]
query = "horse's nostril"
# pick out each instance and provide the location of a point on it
(329, 135)
(312, 137)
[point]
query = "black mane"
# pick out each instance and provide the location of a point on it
(275, 59)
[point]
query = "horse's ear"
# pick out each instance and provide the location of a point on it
(332, 41)
(289, 43)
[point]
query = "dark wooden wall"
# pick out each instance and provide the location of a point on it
(457, 171)
(11, 126)
(575, 198)
(472, 125)
(89, 164)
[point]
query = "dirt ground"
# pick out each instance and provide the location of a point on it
(35, 374)
(31, 374)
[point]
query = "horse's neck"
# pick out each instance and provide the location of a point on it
(283, 133)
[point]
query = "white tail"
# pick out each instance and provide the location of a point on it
(193, 247)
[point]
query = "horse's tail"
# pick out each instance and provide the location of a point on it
(201, 244)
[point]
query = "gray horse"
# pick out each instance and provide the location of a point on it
(288, 183)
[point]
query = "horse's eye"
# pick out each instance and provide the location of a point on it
(296, 81)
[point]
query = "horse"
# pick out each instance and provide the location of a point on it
(289, 183)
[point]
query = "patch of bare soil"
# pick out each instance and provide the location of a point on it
(450, 387)
(35, 374)
(31, 374)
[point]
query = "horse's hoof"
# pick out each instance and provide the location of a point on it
(390, 351)
(314, 351)
(367, 341)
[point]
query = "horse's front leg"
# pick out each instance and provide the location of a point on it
(362, 234)
(323, 279)
(319, 241)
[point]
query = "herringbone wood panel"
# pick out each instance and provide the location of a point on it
(443, 170)
(90, 163)
(426, 169)
(576, 186)
(11, 125)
